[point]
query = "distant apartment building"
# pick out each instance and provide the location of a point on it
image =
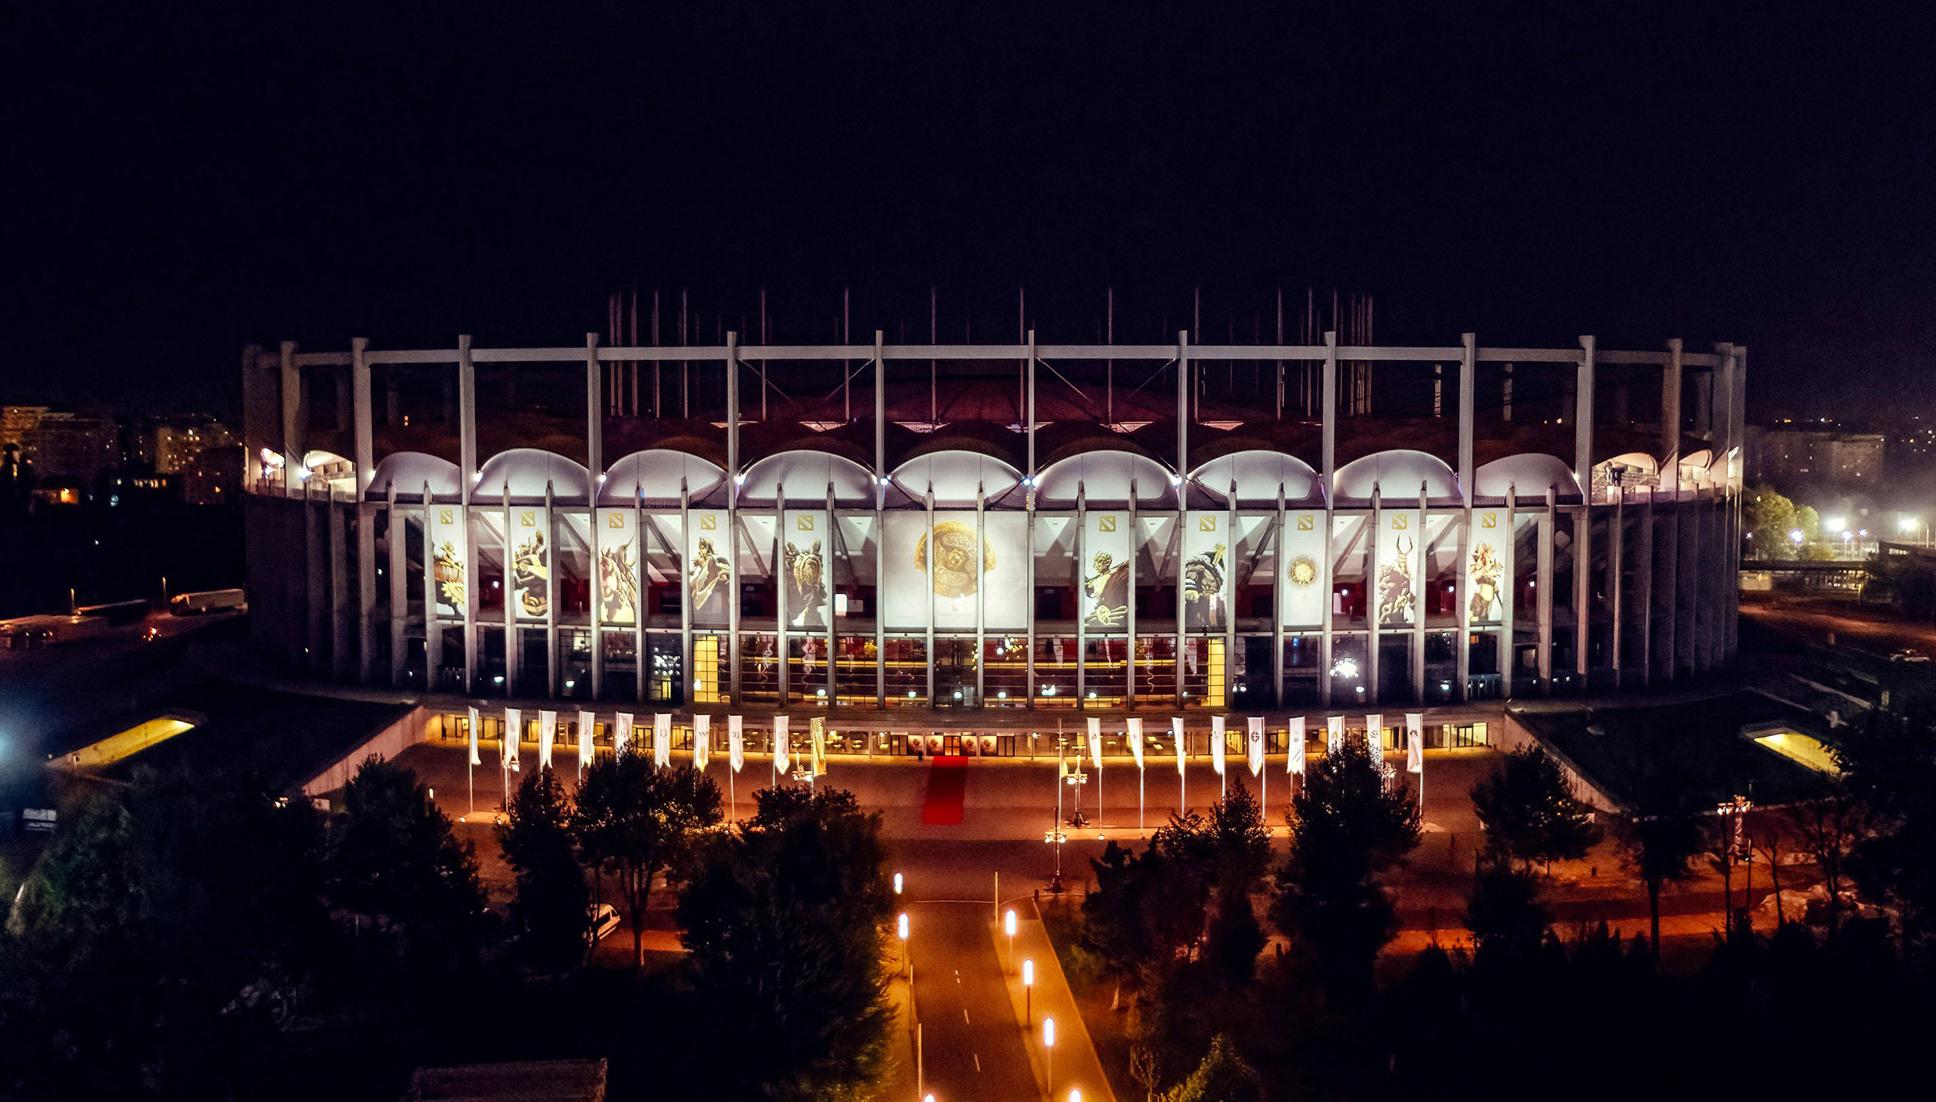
(62, 445)
(179, 441)
(214, 477)
(1793, 456)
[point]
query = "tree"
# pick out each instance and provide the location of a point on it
(635, 821)
(1769, 518)
(393, 861)
(1529, 812)
(1223, 1076)
(1504, 911)
(550, 911)
(786, 921)
(1347, 825)
(1660, 838)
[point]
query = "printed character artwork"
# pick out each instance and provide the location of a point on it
(806, 583)
(956, 572)
(618, 583)
(1106, 587)
(706, 581)
(531, 576)
(1204, 602)
(1397, 600)
(449, 568)
(1486, 573)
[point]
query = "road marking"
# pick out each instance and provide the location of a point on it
(964, 1016)
(977, 1057)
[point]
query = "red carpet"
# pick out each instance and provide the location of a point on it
(947, 782)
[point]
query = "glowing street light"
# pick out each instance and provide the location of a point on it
(1028, 992)
(1048, 1051)
(901, 926)
(1796, 536)
(897, 883)
(901, 931)
(1008, 927)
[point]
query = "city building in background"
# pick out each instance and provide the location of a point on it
(180, 441)
(61, 446)
(1795, 456)
(1055, 526)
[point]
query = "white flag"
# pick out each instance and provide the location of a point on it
(1095, 741)
(1255, 743)
(547, 734)
(1414, 742)
(1216, 744)
(513, 734)
(475, 759)
(736, 741)
(1333, 734)
(1295, 763)
(780, 743)
(662, 739)
(1375, 734)
(702, 739)
(622, 734)
(587, 726)
(1133, 734)
(1176, 730)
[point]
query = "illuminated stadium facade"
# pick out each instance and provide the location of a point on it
(1071, 527)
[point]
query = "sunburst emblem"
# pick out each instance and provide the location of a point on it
(1304, 571)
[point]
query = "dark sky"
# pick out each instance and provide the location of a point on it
(180, 183)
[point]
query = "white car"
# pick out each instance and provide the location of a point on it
(604, 920)
(1910, 655)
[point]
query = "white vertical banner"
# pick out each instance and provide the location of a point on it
(702, 740)
(1254, 743)
(1302, 586)
(1176, 731)
(475, 759)
(1375, 734)
(547, 734)
(780, 744)
(1333, 734)
(1488, 569)
(736, 742)
(1399, 553)
(444, 544)
(1216, 744)
(1414, 742)
(662, 739)
(1133, 734)
(1095, 741)
(1294, 763)
(618, 568)
(513, 733)
(622, 734)
(530, 559)
(587, 726)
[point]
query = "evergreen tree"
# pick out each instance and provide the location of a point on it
(1529, 812)
(1223, 1076)
(550, 911)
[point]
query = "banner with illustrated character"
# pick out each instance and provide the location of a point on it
(1206, 571)
(1303, 575)
(530, 543)
(709, 567)
(1105, 592)
(957, 570)
(1396, 591)
(1488, 566)
(618, 567)
(446, 540)
(805, 565)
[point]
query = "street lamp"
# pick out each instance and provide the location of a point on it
(897, 883)
(1048, 1051)
(901, 930)
(1008, 927)
(1028, 991)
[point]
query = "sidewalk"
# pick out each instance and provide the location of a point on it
(1074, 1063)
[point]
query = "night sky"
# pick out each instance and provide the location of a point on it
(180, 183)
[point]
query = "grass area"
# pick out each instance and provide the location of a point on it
(1062, 920)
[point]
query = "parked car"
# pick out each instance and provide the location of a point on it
(1909, 655)
(604, 920)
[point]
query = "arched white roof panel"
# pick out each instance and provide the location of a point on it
(1527, 475)
(1397, 474)
(1696, 469)
(955, 474)
(409, 471)
(806, 474)
(655, 473)
(526, 471)
(1105, 476)
(1258, 474)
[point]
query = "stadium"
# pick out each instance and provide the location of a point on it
(1053, 527)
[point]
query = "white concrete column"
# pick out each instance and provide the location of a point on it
(294, 413)
(595, 470)
(364, 513)
(1543, 589)
(1468, 371)
(397, 538)
(1583, 525)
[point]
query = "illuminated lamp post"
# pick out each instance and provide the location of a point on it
(1048, 1051)
(1028, 992)
(1008, 927)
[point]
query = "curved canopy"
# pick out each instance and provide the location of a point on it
(1258, 474)
(1527, 475)
(526, 471)
(654, 475)
(1396, 474)
(956, 475)
(410, 471)
(1696, 469)
(806, 474)
(1639, 461)
(1105, 477)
